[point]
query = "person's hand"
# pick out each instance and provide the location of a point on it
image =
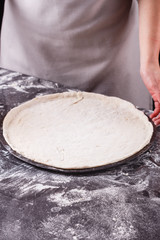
(151, 78)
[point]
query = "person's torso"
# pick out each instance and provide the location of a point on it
(77, 43)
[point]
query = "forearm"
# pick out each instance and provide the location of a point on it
(149, 32)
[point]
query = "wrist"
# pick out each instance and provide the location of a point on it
(150, 63)
(149, 51)
(149, 58)
(149, 69)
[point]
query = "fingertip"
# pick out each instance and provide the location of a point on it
(151, 115)
(156, 122)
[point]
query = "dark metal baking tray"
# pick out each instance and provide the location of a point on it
(77, 171)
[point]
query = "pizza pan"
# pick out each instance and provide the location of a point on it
(78, 171)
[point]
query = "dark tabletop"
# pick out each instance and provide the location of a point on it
(121, 203)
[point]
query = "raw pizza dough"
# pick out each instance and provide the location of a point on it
(76, 130)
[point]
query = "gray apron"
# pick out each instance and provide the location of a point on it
(91, 45)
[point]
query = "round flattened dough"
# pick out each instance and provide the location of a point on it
(76, 130)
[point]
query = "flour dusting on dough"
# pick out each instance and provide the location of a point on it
(78, 129)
